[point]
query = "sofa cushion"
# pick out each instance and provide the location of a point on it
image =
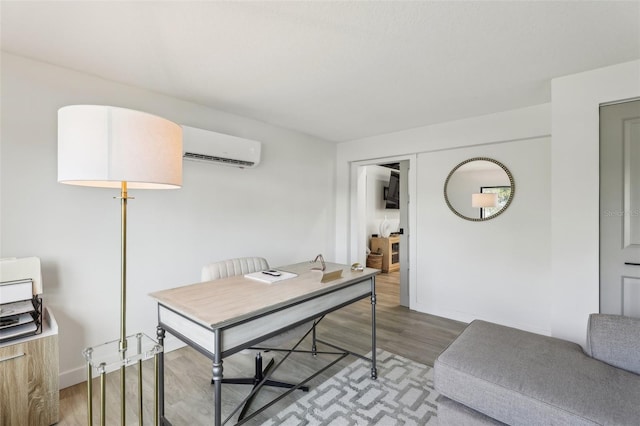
(615, 340)
(454, 413)
(518, 377)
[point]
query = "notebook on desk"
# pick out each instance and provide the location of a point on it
(270, 276)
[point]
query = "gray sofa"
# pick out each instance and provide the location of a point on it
(493, 374)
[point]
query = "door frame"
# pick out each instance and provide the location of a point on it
(357, 226)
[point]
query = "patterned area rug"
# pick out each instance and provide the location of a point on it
(402, 395)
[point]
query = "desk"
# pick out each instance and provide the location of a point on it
(219, 318)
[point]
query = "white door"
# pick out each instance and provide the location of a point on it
(620, 209)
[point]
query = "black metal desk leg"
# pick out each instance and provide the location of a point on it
(217, 377)
(374, 369)
(314, 347)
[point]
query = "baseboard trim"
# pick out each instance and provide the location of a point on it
(469, 317)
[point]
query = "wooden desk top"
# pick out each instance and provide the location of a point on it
(227, 301)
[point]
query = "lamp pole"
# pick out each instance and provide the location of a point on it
(123, 293)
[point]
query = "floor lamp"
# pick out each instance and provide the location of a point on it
(110, 147)
(484, 200)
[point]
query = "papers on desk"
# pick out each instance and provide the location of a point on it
(269, 278)
(16, 320)
(16, 308)
(26, 328)
(13, 291)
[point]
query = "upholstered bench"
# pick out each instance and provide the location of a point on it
(492, 374)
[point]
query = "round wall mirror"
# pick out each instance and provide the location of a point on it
(479, 189)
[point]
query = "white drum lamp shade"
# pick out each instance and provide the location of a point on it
(104, 146)
(484, 200)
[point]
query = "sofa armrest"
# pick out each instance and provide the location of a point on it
(615, 339)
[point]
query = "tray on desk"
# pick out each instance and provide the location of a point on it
(19, 319)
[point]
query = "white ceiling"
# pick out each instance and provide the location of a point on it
(336, 70)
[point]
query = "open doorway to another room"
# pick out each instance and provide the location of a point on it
(384, 226)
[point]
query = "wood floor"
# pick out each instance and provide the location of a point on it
(189, 394)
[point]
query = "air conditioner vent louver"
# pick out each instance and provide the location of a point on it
(217, 148)
(212, 158)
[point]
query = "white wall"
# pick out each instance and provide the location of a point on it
(573, 167)
(456, 259)
(497, 270)
(507, 126)
(575, 194)
(282, 210)
(377, 179)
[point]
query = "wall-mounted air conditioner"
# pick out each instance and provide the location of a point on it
(217, 148)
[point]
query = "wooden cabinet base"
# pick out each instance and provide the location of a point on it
(29, 389)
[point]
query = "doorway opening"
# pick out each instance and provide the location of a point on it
(381, 220)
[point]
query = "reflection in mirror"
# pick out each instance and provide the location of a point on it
(479, 189)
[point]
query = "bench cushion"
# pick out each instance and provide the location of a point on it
(518, 377)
